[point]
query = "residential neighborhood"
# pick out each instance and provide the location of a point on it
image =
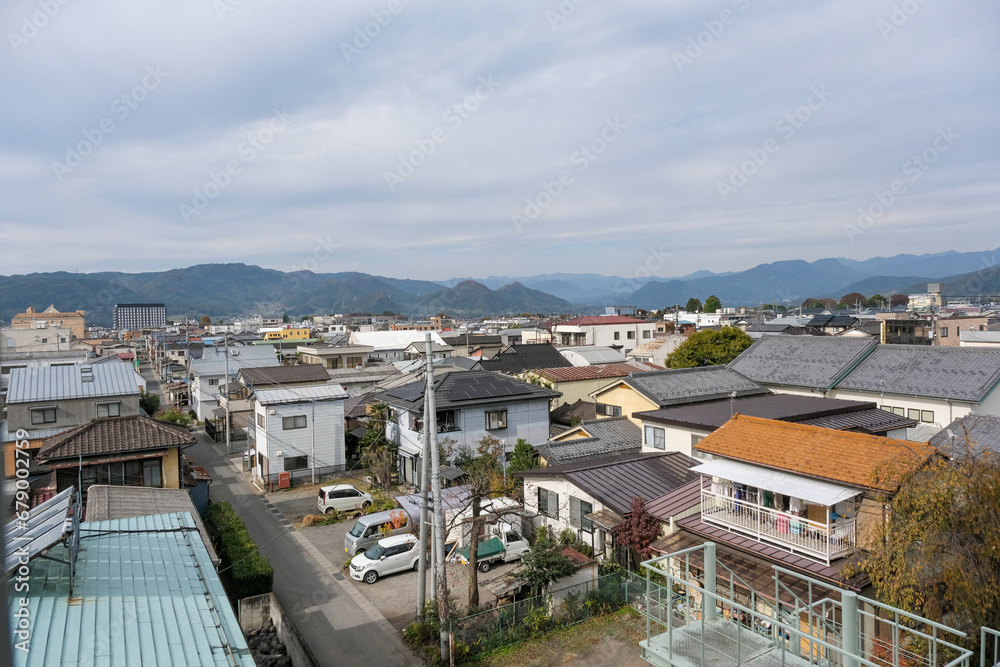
(784, 460)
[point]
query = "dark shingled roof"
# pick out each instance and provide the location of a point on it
(271, 375)
(948, 373)
(617, 435)
(114, 435)
(827, 412)
(458, 389)
(615, 480)
(582, 409)
(520, 358)
(817, 362)
(679, 500)
(982, 430)
(690, 385)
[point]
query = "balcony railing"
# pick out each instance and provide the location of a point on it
(819, 541)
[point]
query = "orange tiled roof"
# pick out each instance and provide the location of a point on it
(858, 459)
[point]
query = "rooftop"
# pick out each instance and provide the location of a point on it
(594, 354)
(460, 388)
(599, 372)
(520, 358)
(60, 383)
(600, 437)
(300, 394)
(817, 362)
(981, 430)
(690, 385)
(149, 583)
(949, 373)
(271, 375)
(114, 435)
(600, 320)
(857, 459)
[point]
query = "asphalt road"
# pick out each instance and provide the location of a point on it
(333, 624)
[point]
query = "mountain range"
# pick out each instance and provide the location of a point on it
(226, 290)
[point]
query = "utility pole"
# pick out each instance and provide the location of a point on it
(228, 442)
(442, 579)
(424, 458)
(312, 433)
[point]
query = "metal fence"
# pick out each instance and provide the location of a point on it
(532, 617)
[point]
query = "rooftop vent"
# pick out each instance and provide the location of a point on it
(86, 374)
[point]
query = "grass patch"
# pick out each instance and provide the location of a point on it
(625, 626)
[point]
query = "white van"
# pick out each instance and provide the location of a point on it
(368, 530)
(342, 498)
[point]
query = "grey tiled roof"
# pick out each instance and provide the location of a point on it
(688, 385)
(617, 435)
(520, 358)
(270, 375)
(114, 435)
(982, 430)
(949, 373)
(817, 362)
(458, 389)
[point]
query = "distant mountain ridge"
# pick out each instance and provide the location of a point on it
(226, 290)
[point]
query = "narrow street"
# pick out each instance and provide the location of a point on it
(337, 629)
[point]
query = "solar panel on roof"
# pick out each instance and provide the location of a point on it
(46, 525)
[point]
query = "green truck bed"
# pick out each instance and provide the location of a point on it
(487, 549)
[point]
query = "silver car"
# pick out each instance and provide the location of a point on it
(390, 554)
(342, 498)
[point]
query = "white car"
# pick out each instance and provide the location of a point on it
(342, 498)
(390, 554)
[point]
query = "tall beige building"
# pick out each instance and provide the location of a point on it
(50, 317)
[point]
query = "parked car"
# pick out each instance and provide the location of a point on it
(390, 554)
(342, 498)
(370, 528)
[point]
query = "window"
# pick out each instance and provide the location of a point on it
(45, 340)
(109, 409)
(578, 511)
(609, 410)
(913, 414)
(548, 503)
(296, 463)
(899, 411)
(496, 420)
(260, 419)
(927, 416)
(944, 332)
(151, 473)
(655, 437)
(10, 342)
(630, 335)
(288, 423)
(695, 439)
(43, 416)
(645, 334)
(618, 335)
(213, 382)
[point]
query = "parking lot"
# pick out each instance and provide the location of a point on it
(395, 596)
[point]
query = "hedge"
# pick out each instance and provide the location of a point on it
(252, 573)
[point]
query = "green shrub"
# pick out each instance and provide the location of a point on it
(245, 571)
(567, 537)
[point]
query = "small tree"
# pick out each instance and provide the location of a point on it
(851, 300)
(484, 477)
(205, 321)
(378, 454)
(175, 416)
(545, 563)
(285, 319)
(876, 301)
(638, 530)
(709, 348)
(897, 300)
(713, 304)
(693, 305)
(149, 403)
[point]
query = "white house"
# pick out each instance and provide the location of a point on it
(207, 375)
(297, 430)
(470, 405)
(623, 333)
(389, 346)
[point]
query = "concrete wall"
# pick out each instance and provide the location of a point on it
(255, 612)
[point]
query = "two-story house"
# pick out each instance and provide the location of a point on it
(207, 375)
(623, 333)
(45, 400)
(335, 355)
(655, 390)
(298, 430)
(679, 428)
(470, 405)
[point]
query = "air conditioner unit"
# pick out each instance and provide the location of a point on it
(278, 453)
(270, 412)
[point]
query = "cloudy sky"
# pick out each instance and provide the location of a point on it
(435, 140)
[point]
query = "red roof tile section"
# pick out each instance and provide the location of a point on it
(858, 459)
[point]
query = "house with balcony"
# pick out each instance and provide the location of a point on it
(656, 390)
(591, 496)
(622, 333)
(680, 427)
(470, 405)
(297, 430)
(335, 356)
(207, 375)
(814, 493)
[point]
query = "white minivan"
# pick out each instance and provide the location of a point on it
(342, 498)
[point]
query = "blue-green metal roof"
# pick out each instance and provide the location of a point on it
(145, 593)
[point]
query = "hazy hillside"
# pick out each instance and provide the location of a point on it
(470, 297)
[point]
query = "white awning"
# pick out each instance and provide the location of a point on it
(788, 484)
